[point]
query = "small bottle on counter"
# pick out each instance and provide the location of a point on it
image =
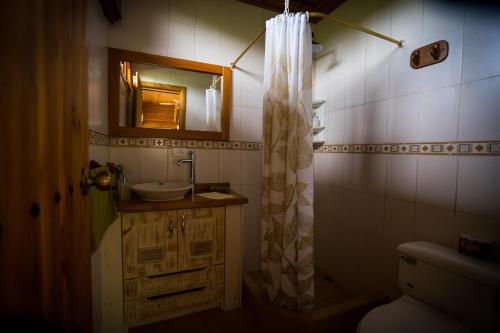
(123, 187)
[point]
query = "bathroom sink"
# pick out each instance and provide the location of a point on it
(161, 191)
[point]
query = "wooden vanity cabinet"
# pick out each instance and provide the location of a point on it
(173, 263)
(149, 243)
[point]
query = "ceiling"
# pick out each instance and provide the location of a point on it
(322, 6)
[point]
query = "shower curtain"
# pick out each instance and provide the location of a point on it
(287, 184)
(212, 99)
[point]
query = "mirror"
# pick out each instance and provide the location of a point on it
(156, 96)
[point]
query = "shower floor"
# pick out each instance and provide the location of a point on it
(336, 309)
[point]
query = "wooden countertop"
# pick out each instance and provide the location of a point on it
(136, 205)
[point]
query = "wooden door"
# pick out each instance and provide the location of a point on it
(149, 243)
(201, 237)
(44, 227)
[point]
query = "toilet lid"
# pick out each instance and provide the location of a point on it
(408, 315)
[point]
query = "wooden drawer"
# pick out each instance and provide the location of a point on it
(144, 287)
(162, 307)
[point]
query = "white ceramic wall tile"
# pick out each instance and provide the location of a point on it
(327, 230)
(356, 49)
(128, 33)
(251, 119)
(401, 177)
(335, 172)
(251, 89)
(403, 115)
(354, 165)
(479, 116)
(441, 17)
(371, 252)
(351, 211)
(178, 173)
(481, 46)
(478, 189)
(398, 228)
(373, 213)
(438, 118)
(355, 87)
(354, 125)
(321, 170)
(434, 225)
(251, 245)
(207, 45)
(448, 72)
(252, 21)
(155, 27)
(231, 17)
(235, 124)
(154, 163)
(99, 153)
(404, 80)
(407, 20)
(377, 81)
(181, 39)
(376, 120)
(230, 166)
(398, 222)
(208, 14)
(183, 11)
(251, 168)
(130, 158)
(436, 181)
(236, 89)
(374, 178)
(336, 92)
(253, 193)
(321, 202)
(335, 126)
(98, 42)
(207, 165)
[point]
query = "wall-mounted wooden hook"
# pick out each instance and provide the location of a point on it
(429, 54)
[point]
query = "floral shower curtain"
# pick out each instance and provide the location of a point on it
(287, 183)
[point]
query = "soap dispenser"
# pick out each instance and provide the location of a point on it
(123, 187)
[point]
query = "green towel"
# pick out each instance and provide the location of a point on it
(102, 210)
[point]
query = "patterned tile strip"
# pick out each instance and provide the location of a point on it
(97, 138)
(426, 148)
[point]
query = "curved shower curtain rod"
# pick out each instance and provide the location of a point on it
(325, 16)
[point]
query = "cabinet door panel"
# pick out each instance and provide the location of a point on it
(149, 243)
(201, 237)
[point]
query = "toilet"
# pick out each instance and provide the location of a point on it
(444, 291)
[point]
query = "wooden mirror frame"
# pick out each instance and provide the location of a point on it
(117, 55)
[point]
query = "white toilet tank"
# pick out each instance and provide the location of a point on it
(465, 288)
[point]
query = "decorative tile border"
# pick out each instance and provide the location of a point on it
(426, 148)
(97, 138)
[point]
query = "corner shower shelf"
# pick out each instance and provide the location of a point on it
(318, 122)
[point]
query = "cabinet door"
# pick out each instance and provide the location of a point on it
(201, 237)
(149, 243)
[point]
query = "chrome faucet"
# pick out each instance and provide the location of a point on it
(192, 160)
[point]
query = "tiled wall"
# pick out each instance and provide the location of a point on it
(367, 203)
(212, 31)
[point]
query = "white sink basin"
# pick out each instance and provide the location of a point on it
(161, 191)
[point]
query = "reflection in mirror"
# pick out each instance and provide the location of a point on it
(153, 96)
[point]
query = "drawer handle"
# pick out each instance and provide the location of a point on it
(183, 225)
(177, 293)
(171, 227)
